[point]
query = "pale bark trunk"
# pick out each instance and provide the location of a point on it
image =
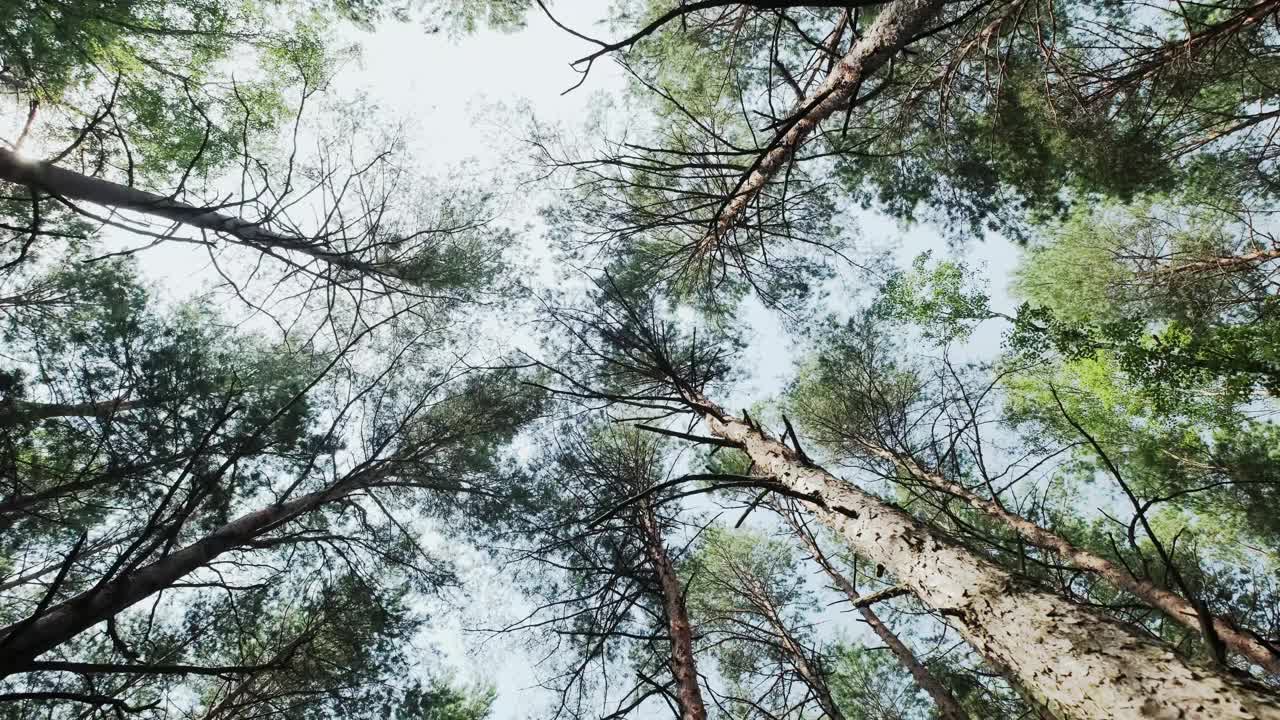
(1224, 263)
(1176, 607)
(19, 410)
(75, 186)
(892, 29)
(23, 642)
(683, 667)
(948, 707)
(1077, 663)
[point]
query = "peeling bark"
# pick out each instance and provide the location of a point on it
(1077, 663)
(683, 667)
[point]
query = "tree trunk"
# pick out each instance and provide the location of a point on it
(22, 411)
(948, 707)
(1077, 663)
(1222, 263)
(892, 29)
(74, 186)
(229, 704)
(1176, 607)
(800, 659)
(683, 667)
(24, 641)
(1185, 51)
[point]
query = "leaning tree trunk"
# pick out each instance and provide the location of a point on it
(683, 667)
(18, 411)
(805, 666)
(71, 185)
(1222, 264)
(948, 707)
(894, 27)
(24, 641)
(230, 705)
(1077, 663)
(1181, 52)
(1176, 607)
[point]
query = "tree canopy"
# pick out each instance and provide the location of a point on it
(872, 360)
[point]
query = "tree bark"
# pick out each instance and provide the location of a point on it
(1222, 263)
(20, 411)
(1176, 607)
(1077, 663)
(683, 667)
(24, 641)
(892, 29)
(75, 186)
(948, 707)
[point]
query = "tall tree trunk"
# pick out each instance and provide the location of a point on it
(1184, 51)
(1076, 662)
(17, 411)
(1220, 263)
(894, 27)
(1176, 607)
(75, 186)
(948, 707)
(683, 667)
(24, 641)
(229, 704)
(800, 659)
